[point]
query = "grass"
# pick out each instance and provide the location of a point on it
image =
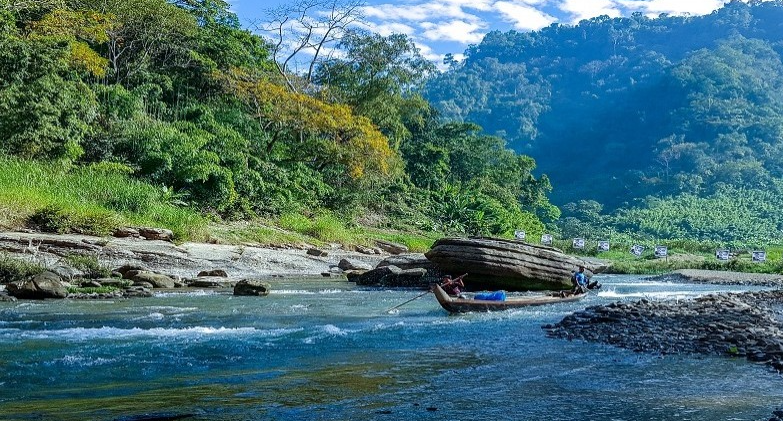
(13, 270)
(318, 230)
(92, 290)
(89, 200)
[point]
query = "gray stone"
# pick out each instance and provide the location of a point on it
(210, 282)
(161, 234)
(353, 264)
(44, 285)
(155, 279)
(317, 252)
(493, 263)
(390, 247)
(213, 272)
(125, 232)
(252, 287)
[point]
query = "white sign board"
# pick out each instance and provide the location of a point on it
(578, 243)
(603, 246)
(759, 256)
(546, 239)
(519, 235)
(637, 250)
(661, 251)
(722, 255)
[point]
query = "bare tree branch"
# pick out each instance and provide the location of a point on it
(306, 28)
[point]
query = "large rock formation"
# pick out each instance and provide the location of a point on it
(493, 263)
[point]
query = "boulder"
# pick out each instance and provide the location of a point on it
(392, 276)
(44, 285)
(408, 261)
(364, 250)
(6, 297)
(125, 232)
(123, 270)
(210, 282)
(317, 252)
(66, 272)
(155, 279)
(512, 265)
(353, 264)
(392, 248)
(252, 287)
(161, 234)
(136, 291)
(213, 272)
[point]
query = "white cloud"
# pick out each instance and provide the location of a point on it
(522, 16)
(423, 10)
(456, 30)
(586, 9)
(674, 7)
(388, 28)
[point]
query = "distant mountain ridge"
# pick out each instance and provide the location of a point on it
(618, 109)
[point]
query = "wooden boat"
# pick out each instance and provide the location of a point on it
(465, 305)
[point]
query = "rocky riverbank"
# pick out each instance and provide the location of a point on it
(133, 265)
(717, 277)
(736, 325)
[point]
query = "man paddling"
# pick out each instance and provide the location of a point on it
(453, 286)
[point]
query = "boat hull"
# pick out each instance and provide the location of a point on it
(464, 305)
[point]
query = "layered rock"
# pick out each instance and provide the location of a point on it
(508, 264)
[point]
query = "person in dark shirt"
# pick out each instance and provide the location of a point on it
(453, 286)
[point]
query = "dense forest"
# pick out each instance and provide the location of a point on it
(164, 111)
(206, 115)
(668, 127)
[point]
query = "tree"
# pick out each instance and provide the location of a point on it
(307, 27)
(378, 77)
(305, 129)
(143, 32)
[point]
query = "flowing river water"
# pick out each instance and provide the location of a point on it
(327, 350)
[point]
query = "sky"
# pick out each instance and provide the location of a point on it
(439, 27)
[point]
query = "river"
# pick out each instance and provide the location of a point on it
(327, 350)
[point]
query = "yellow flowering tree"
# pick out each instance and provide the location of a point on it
(306, 129)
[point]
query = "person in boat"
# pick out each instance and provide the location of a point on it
(579, 281)
(454, 286)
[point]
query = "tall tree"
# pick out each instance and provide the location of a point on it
(307, 28)
(379, 78)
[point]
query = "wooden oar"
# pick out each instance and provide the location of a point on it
(414, 298)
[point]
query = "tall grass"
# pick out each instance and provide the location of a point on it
(91, 200)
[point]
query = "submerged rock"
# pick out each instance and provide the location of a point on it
(252, 287)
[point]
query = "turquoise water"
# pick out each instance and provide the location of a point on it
(326, 350)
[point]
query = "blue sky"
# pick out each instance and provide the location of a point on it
(449, 26)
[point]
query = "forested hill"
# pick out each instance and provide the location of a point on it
(616, 109)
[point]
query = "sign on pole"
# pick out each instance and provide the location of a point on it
(722, 255)
(546, 239)
(661, 251)
(637, 250)
(519, 235)
(759, 256)
(603, 246)
(578, 243)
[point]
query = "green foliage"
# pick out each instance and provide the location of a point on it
(92, 290)
(45, 112)
(617, 109)
(15, 270)
(56, 219)
(88, 199)
(89, 265)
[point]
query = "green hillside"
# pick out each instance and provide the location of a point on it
(618, 110)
